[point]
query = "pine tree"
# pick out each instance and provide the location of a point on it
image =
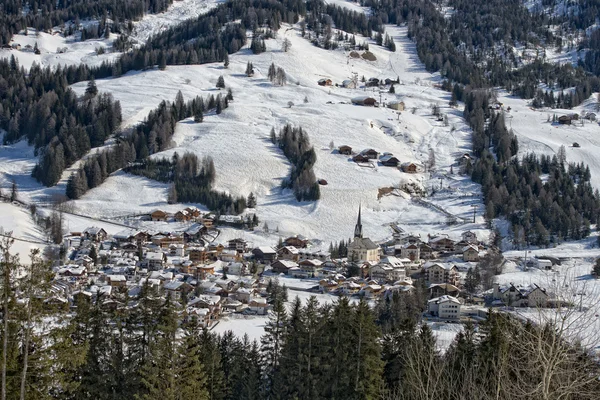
(162, 60)
(249, 69)
(190, 378)
(368, 367)
(198, 115)
(14, 191)
(221, 82)
(211, 360)
(92, 89)
(271, 344)
(251, 202)
(159, 372)
(226, 61)
(596, 269)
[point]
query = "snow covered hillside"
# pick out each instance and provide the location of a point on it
(247, 161)
(538, 135)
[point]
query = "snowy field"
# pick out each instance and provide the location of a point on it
(18, 222)
(246, 160)
(73, 52)
(537, 135)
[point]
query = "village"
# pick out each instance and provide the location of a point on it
(212, 279)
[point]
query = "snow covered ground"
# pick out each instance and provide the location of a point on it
(178, 12)
(18, 222)
(537, 135)
(246, 161)
(73, 52)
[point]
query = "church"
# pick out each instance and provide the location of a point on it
(362, 249)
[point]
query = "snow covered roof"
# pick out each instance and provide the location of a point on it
(444, 299)
(265, 250)
(363, 243)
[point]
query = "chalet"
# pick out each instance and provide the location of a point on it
(193, 211)
(210, 302)
(177, 250)
(258, 305)
(411, 251)
(349, 84)
(155, 260)
(469, 237)
(16, 46)
(389, 160)
(359, 158)
(176, 289)
(307, 269)
(441, 273)
(346, 150)
(282, 266)
(264, 254)
(590, 116)
(232, 305)
(95, 234)
(521, 295)
(182, 216)
(470, 253)
(198, 254)
(208, 222)
(564, 120)
(237, 268)
(158, 215)
(442, 243)
(425, 251)
(238, 244)
(364, 101)
(288, 253)
(396, 105)
(445, 307)
(370, 154)
(200, 316)
(440, 289)
(194, 233)
(298, 242)
(372, 82)
(325, 82)
(370, 291)
(409, 167)
(117, 280)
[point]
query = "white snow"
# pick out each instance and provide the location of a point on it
(246, 160)
(77, 52)
(18, 222)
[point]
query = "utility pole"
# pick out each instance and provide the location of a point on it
(474, 211)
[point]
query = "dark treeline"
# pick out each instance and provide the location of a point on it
(40, 107)
(154, 349)
(191, 180)
(540, 211)
(205, 39)
(152, 136)
(295, 144)
(46, 14)
(472, 46)
(452, 46)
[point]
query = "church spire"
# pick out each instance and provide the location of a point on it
(358, 228)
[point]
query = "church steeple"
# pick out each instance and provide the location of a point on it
(358, 228)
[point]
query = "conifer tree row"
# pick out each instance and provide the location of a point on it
(192, 179)
(154, 348)
(295, 144)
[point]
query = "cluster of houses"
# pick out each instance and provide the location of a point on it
(386, 159)
(211, 279)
